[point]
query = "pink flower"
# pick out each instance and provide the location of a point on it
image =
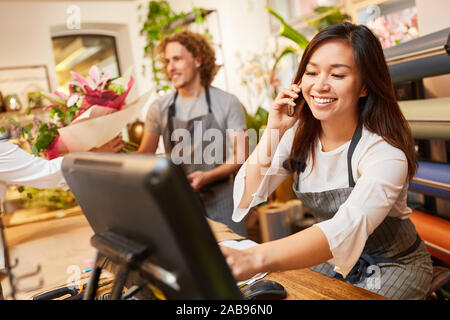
(79, 82)
(61, 95)
(104, 98)
(73, 99)
(93, 81)
(94, 76)
(105, 79)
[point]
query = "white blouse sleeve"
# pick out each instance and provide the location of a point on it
(18, 167)
(383, 176)
(273, 177)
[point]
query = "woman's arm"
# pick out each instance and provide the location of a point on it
(258, 163)
(339, 240)
(261, 158)
(304, 249)
(18, 167)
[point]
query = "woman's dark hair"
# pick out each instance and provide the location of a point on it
(379, 111)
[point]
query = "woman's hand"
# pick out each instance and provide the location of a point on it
(244, 264)
(278, 114)
(112, 146)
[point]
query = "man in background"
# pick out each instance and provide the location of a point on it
(201, 111)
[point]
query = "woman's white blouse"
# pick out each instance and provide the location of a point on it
(380, 172)
(18, 167)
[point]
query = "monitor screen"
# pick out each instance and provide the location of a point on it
(148, 200)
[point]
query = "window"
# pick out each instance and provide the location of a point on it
(80, 53)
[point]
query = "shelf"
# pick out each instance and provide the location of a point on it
(24, 118)
(26, 216)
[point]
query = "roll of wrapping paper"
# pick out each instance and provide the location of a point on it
(274, 221)
(432, 179)
(435, 232)
(425, 56)
(428, 118)
(295, 210)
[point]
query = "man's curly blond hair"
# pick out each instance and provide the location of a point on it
(199, 47)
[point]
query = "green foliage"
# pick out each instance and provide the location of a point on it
(258, 121)
(53, 199)
(288, 32)
(158, 19)
(65, 115)
(288, 50)
(47, 133)
(160, 22)
(117, 88)
(327, 17)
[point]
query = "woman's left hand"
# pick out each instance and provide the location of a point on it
(243, 263)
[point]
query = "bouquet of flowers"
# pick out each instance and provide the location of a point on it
(91, 114)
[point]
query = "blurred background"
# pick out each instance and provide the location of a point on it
(258, 45)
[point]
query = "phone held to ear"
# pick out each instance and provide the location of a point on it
(291, 109)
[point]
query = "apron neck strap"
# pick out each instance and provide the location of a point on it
(355, 139)
(172, 105)
(172, 111)
(208, 99)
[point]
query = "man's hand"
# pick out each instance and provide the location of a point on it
(198, 179)
(112, 146)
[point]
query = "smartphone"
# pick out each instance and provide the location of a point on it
(291, 109)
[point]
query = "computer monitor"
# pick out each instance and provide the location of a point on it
(148, 200)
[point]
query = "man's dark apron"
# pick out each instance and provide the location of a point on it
(395, 262)
(217, 197)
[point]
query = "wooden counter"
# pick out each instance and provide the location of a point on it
(59, 244)
(306, 284)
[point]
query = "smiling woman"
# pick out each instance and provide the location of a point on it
(352, 154)
(364, 88)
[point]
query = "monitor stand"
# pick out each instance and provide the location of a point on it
(127, 254)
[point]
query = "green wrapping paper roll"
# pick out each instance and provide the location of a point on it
(428, 118)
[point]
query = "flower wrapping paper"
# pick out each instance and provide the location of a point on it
(98, 125)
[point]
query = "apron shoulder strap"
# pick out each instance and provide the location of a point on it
(355, 139)
(172, 105)
(208, 99)
(170, 115)
(172, 111)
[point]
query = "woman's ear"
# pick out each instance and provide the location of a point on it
(364, 92)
